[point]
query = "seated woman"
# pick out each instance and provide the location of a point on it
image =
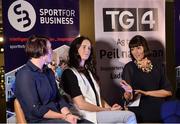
(81, 83)
(147, 78)
(36, 88)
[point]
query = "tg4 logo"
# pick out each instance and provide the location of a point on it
(130, 19)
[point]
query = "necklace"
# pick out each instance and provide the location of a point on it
(145, 65)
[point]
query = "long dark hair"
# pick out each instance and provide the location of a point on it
(139, 40)
(75, 59)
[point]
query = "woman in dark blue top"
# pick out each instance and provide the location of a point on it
(147, 78)
(36, 88)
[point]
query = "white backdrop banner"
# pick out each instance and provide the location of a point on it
(116, 22)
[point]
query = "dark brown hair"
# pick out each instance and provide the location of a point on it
(139, 40)
(74, 57)
(36, 46)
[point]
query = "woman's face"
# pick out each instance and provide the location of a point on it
(85, 50)
(138, 52)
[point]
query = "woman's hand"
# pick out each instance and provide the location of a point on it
(126, 86)
(68, 116)
(128, 90)
(128, 96)
(116, 107)
(71, 118)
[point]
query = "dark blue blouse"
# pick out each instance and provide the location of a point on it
(37, 92)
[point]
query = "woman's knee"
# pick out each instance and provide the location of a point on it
(130, 117)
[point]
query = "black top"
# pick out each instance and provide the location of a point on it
(149, 109)
(37, 92)
(70, 83)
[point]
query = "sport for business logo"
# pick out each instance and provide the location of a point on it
(21, 15)
(130, 19)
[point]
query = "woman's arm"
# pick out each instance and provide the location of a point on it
(128, 95)
(53, 114)
(155, 93)
(66, 115)
(83, 105)
(165, 88)
(112, 108)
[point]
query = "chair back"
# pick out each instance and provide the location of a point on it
(20, 118)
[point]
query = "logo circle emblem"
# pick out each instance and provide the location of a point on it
(21, 15)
